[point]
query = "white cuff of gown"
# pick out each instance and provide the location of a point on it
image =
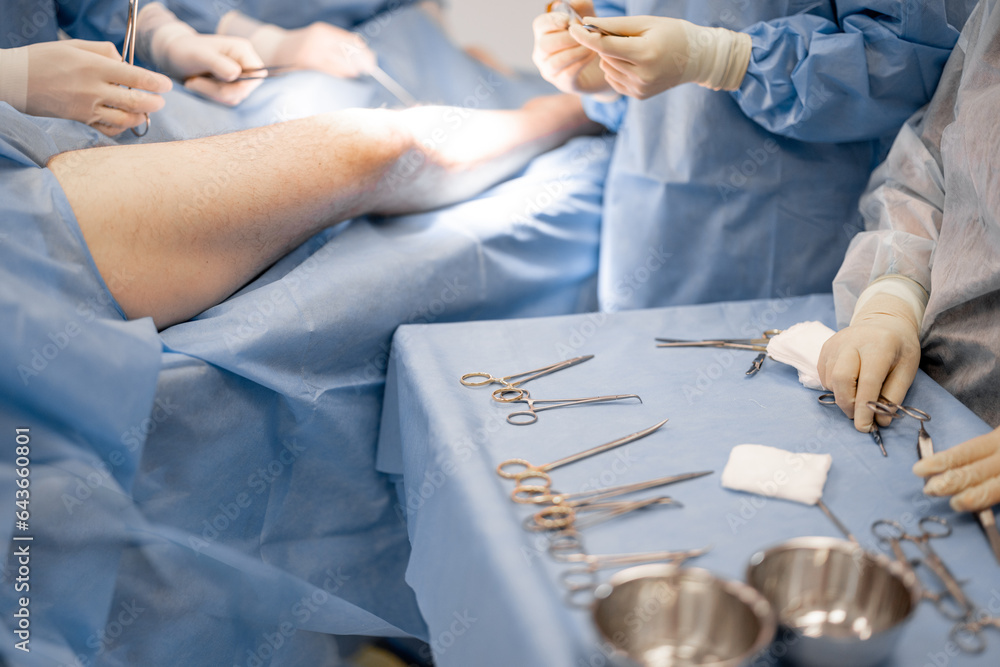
(906, 289)
(14, 77)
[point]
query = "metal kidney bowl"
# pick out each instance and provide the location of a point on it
(662, 616)
(844, 605)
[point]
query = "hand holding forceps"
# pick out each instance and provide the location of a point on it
(128, 49)
(562, 7)
(531, 471)
(510, 391)
(829, 399)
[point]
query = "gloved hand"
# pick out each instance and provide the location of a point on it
(560, 58)
(320, 46)
(80, 81)
(969, 472)
(661, 53)
(878, 354)
(179, 51)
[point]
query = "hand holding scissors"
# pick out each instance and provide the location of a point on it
(876, 434)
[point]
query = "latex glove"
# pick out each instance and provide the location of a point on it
(969, 472)
(207, 64)
(320, 46)
(878, 354)
(80, 81)
(661, 53)
(560, 58)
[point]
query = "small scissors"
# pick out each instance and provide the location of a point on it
(509, 390)
(563, 7)
(756, 344)
(535, 405)
(876, 434)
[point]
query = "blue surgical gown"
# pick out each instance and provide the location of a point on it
(714, 196)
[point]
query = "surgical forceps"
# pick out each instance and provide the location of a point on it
(531, 471)
(561, 517)
(249, 74)
(535, 405)
(876, 433)
(128, 49)
(509, 390)
(568, 548)
(540, 495)
(931, 527)
(755, 344)
(971, 621)
(574, 16)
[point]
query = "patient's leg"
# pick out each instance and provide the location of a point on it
(183, 225)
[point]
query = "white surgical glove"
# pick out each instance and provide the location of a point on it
(320, 46)
(879, 353)
(970, 472)
(207, 64)
(660, 53)
(560, 58)
(82, 81)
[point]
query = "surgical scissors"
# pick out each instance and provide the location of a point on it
(829, 399)
(565, 8)
(508, 387)
(535, 405)
(531, 471)
(756, 344)
(128, 49)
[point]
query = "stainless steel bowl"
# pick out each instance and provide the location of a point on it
(840, 604)
(662, 616)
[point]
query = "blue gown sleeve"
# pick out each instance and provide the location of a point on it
(855, 75)
(608, 114)
(105, 20)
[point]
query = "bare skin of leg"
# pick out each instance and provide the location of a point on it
(175, 228)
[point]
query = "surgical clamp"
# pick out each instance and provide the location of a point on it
(128, 49)
(531, 471)
(509, 390)
(530, 416)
